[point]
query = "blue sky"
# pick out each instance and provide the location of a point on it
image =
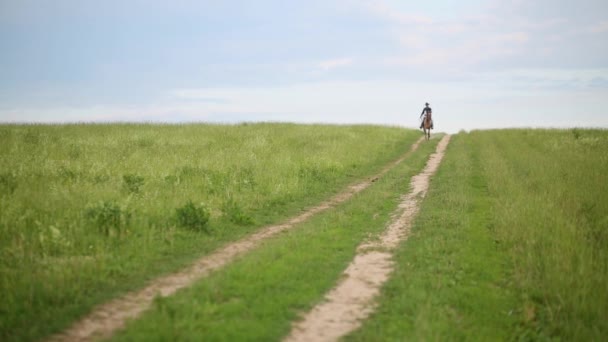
(481, 64)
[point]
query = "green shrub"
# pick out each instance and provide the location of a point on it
(108, 217)
(132, 183)
(193, 217)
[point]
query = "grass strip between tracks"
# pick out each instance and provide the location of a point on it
(258, 296)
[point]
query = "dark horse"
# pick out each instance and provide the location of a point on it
(426, 126)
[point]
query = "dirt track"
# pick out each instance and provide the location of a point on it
(107, 318)
(351, 301)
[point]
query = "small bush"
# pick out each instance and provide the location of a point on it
(235, 213)
(108, 217)
(132, 183)
(193, 216)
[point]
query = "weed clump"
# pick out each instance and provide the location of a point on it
(132, 183)
(235, 213)
(67, 174)
(194, 217)
(108, 217)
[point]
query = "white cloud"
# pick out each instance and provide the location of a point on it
(453, 43)
(424, 51)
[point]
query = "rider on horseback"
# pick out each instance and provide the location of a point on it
(426, 111)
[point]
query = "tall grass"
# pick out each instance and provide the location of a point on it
(89, 211)
(551, 208)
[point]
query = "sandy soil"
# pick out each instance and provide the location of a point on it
(351, 301)
(107, 318)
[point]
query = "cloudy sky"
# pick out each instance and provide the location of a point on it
(481, 64)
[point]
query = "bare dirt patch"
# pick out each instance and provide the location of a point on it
(351, 301)
(107, 318)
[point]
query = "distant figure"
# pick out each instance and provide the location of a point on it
(426, 111)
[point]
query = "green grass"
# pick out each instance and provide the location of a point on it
(257, 297)
(551, 211)
(511, 243)
(90, 211)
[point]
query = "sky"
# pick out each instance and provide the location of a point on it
(480, 64)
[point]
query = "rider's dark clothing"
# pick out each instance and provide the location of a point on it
(426, 110)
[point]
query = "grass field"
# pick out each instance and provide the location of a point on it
(90, 211)
(511, 243)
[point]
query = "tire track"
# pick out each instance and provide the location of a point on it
(104, 320)
(351, 301)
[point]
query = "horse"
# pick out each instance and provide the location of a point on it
(426, 126)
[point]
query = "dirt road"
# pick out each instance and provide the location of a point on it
(351, 301)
